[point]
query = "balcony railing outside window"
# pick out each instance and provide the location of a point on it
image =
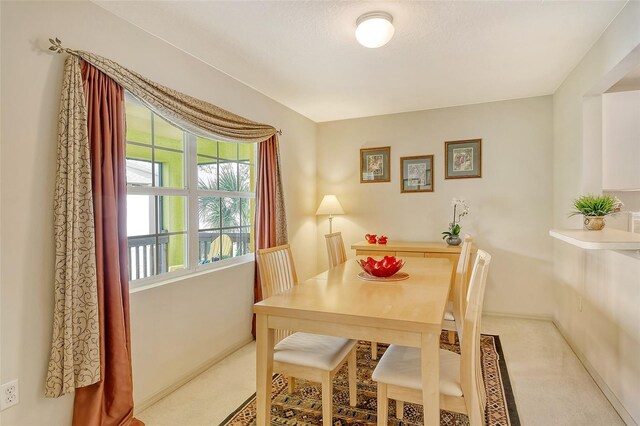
(143, 261)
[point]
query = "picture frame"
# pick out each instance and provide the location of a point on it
(375, 164)
(416, 174)
(463, 159)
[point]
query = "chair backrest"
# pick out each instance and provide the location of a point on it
(460, 290)
(335, 249)
(220, 247)
(470, 368)
(277, 271)
(277, 274)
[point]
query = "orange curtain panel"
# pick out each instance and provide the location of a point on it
(109, 401)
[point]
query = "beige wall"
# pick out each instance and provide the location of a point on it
(597, 291)
(511, 205)
(175, 328)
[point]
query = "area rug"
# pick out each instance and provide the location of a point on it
(304, 406)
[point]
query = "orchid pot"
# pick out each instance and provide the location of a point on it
(460, 210)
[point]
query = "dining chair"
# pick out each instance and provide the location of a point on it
(220, 247)
(312, 357)
(399, 372)
(454, 313)
(337, 255)
(335, 249)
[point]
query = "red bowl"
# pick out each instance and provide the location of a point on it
(386, 267)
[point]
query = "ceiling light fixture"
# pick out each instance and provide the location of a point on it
(374, 29)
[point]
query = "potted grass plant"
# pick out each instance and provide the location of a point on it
(594, 208)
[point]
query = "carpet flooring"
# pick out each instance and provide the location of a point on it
(304, 405)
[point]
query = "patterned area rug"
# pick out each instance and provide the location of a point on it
(304, 406)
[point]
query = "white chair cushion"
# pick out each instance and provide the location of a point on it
(449, 326)
(400, 366)
(313, 350)
(448, 313)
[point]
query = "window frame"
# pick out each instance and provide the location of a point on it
(191, 192)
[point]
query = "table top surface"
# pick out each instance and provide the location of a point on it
(414, 246)
(338, 295)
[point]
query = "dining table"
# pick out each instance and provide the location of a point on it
(337, 302)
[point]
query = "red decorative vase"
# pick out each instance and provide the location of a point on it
(371, 238)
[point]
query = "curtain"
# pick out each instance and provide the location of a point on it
(110, 401)
(193, 115)
(75, 347)
(91, 350)
(270, 223)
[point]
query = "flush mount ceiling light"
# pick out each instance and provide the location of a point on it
(374, 29)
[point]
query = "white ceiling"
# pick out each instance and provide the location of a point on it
(304, 53)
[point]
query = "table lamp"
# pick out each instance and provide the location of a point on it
(330, 205)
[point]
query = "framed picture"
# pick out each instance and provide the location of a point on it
(374, 164)
(463, 159)
(416, 173)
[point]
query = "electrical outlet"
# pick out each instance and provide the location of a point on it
(9, 394)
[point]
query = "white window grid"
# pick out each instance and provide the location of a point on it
(191, 192)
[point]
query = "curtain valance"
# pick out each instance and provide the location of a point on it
(191, 114)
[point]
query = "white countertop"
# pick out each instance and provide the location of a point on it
(606, 239)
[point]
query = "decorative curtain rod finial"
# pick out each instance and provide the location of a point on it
(279, 132)
(56, 45)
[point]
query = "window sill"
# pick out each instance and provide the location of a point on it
(179, 276)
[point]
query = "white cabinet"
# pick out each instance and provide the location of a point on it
(621, 140)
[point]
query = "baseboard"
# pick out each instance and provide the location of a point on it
(604, 388)
(188, 377)
(519, 316)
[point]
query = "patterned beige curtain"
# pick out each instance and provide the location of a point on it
(282, 236)
(193, 115)
(75, 347)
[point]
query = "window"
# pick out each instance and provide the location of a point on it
(190, 200)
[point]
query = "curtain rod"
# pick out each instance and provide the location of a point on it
(56, 46)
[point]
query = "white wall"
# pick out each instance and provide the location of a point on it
(175, 328)
(206, 317)
(511, 205)
(597, 292)
(621, 140)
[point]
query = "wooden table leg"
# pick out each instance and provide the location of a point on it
(264, 369)
(383, 405)
(431, 378)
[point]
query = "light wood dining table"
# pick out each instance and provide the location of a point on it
(338, 303)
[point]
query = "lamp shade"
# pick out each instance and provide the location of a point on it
(330, 205)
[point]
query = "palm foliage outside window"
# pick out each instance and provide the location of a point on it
(225, 176)
(223, 212)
